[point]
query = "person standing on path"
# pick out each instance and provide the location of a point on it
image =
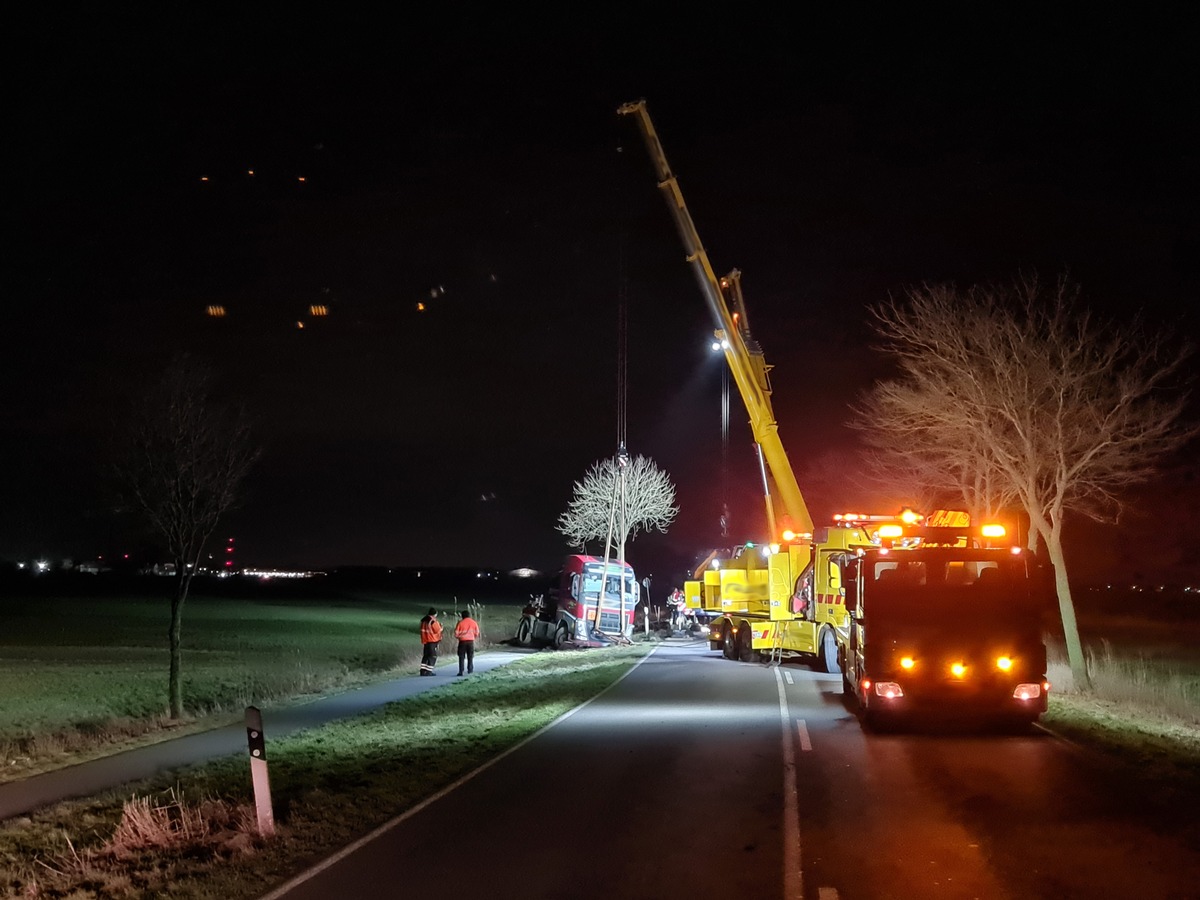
(431, 636)
(467, 632)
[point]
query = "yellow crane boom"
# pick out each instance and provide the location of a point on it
(742, 353)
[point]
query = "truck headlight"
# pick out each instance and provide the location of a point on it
(1027, 692)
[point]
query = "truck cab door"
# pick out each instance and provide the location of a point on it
(853, 582)
(853, 651)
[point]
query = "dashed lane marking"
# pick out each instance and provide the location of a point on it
(802, 731)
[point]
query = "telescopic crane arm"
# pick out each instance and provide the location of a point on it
(742, 353)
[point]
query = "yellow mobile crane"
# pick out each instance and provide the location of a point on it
(783, 597)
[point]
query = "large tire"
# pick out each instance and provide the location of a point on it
(745, 639)
(561, 637)
(729, 643)
(827, 658)
(524, 632)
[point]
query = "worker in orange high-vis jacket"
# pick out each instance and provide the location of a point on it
(467, 632)
(431, 636)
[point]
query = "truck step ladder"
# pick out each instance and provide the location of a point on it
(776, 657)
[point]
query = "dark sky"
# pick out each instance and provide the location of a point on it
(480, 159)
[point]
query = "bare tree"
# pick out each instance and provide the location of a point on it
(594, 513)
(911, 461)
(1019, 393)
(180, 465)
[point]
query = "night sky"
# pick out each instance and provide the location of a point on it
(476, 164)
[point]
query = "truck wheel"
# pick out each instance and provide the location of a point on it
(561, 637)
(524, 632)
(847, 688)
(728, 643)
(828, 656)
(746, 644)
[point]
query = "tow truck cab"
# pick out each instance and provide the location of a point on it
(947, 631)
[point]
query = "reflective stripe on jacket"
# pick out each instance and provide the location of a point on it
(467, 630)
(431, 630)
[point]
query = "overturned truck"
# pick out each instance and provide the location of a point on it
(590, 603)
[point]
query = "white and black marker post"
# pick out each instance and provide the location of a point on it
(258, 771)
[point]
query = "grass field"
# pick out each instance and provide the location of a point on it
(85, 675)
(1144, 704)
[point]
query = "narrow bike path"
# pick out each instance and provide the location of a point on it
(87, 778)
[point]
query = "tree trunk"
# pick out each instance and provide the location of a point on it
(1066, 610)
(175, 681)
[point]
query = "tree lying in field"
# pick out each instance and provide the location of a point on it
(1019, 393)
(615, 500)
(183, 459)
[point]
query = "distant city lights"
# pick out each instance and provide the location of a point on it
(267, 574)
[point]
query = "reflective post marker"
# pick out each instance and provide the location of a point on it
(258, 771)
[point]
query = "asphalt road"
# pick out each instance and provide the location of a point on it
(697, 777)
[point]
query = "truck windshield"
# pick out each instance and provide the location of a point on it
(948, 589)
(612, 585)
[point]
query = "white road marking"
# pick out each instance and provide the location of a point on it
(802, 730)
(787, 676)
(793, 877)
(827, 894)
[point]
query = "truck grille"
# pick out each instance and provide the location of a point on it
(610, 620)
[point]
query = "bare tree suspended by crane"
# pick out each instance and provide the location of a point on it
(644, 501)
